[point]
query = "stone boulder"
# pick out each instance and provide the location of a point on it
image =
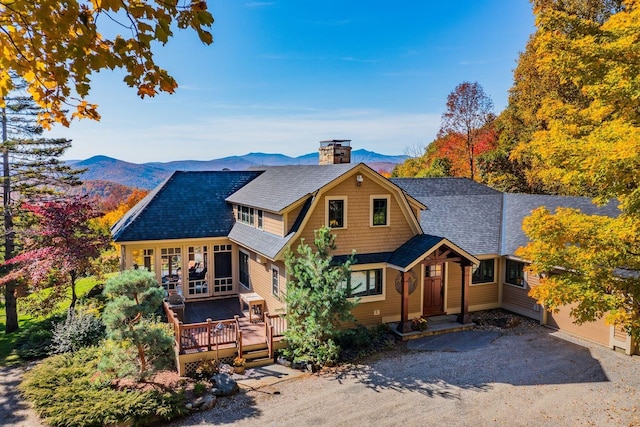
(224, 385)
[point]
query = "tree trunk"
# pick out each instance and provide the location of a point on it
(74, 296)
(11, 323)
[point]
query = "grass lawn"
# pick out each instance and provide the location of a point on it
(8, 342)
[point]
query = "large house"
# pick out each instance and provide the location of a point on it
(423, 246)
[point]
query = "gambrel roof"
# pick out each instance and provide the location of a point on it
(279, 187)
(186, 205)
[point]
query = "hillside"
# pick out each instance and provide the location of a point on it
(149, 175)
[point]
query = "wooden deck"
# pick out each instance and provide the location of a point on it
(218, 329)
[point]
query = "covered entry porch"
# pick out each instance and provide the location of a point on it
(421, 264)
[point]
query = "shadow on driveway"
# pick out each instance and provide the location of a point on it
(533, 358)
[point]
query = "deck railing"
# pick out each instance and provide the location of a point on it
(206, 335)
(275, 325)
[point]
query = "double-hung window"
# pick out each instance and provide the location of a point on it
(379, 211)
(336, 213)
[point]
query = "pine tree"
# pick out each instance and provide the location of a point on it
(316, 302)
(31, 169)
(137, 344)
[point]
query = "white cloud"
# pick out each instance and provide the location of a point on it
(292, 134)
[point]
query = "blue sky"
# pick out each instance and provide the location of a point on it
(282, 75)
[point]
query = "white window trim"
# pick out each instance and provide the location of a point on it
(259, 219)
(373, 298)
(496, 273)
(382, 196)
(327, 199)
(275, 267)
(247, 285)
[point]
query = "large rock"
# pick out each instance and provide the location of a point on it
(224, 385)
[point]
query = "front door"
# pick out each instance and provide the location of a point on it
(433, 302)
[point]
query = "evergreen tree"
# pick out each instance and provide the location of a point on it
(31, 169)
(138, 344)
(317, 304)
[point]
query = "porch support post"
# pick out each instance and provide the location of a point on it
(404, 326)
(464, 317)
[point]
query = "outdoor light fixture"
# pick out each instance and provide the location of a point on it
(359, 180)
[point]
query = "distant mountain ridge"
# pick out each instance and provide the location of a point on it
(149, 175)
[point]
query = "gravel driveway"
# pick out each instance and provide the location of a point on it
(526, 377)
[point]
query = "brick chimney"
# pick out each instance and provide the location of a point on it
(335, 152)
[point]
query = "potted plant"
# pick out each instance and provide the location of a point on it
(238, 365)
(419, 324)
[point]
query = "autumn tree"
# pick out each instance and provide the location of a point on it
(56, 45)
(469, 112)
(590, 146)
(32, 169)
(59, 249)
(316, 302)
(512, 166)
(138, 344)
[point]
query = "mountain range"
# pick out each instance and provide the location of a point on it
(149, 175)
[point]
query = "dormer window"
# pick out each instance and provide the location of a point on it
(246, 215)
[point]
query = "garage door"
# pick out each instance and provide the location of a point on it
(596, 331)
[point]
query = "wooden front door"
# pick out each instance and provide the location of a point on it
(433, 302)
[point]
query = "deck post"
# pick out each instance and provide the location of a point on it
(178, 337)
(209, 334)
(239, 343)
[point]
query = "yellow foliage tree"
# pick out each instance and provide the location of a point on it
(55, 46)
(590, 147)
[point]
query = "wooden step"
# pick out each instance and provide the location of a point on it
(255, 363)
(255, 354)
(254, 347)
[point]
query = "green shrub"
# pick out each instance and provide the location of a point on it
(34, 341)
(76, 331)
(199, 388)
(68, 390)
(361, 341)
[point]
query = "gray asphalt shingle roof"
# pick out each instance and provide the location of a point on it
(280, 186)
(186, 205)
(459, 209)
(518, 206)
(259, 241)
(413, 249)
(449, 186)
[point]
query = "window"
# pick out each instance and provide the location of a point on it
(336, 213)
(379, 211)
(434, 270)
(245, 215)
(143, 258)
(260, 219)
(275, 281)
(515, 273)
(365, 283)
(484, 272)
(244, 269)
(222, 270)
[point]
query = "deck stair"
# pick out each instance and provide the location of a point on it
(257, 355)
